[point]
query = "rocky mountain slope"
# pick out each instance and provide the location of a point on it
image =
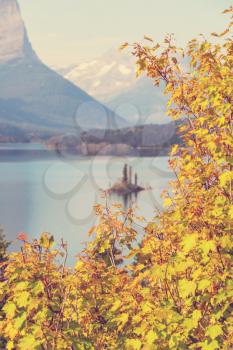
(14, 43)
(34, 97)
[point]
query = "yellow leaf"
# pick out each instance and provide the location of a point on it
(174, 150)
(11, 331)
(19, 321)
(122, 320)
(210, 346)
(207, 246)
(192, 322)
(10, 345)
(224, 32)
(146, 250)
(230, 9)
(214, 331)
(46, 240)
(187, 288)
(123, 46)
(10, 310)
(38, 287)
(91, 231)
(204, 284)
(133, 344)
(226, 242)
(78, 265)
(189, 242)
(23, 299)
(148, 38)
(225, 177)
(151, 337)
(196, 316)
(28, 343)
(138, 71)
(146, 307)
(116, 305)
(21, 286)
(167, 202)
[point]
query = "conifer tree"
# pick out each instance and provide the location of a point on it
(125, 173)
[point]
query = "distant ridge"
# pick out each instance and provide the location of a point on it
(33, 96)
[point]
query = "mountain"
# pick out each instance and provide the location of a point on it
(111, 78)
(105, 76)
(33, 96)
(142, 103)
(14, 42)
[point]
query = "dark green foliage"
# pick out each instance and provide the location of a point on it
(4, 244)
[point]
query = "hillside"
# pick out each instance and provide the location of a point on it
(34, 97)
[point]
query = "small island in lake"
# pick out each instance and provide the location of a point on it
(126, 186)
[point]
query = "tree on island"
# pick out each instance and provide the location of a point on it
(136, 179)
(125, 174)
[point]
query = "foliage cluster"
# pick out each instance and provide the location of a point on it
(174, 290)
(3, 245)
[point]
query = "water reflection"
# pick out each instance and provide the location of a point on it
(64, 207)
(127, 200)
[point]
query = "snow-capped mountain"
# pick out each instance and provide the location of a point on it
(105, 76)
(111, 79)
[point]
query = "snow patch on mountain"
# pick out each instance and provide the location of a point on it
(105, 69)
(105, 76)
(124, 70)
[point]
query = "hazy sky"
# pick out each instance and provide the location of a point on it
(68, 31)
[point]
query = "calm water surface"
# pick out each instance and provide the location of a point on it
(48, 192)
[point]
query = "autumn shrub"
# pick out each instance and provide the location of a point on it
(4, 244)
(175, 289)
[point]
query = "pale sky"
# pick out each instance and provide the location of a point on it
(64, 32)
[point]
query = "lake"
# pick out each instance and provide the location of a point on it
(45, 192)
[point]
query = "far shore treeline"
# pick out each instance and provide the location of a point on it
(139, 140)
